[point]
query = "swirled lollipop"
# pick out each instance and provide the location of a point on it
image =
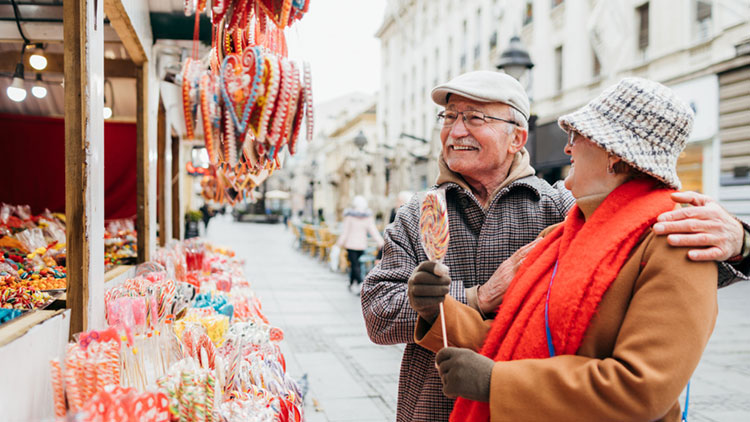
(433, 226)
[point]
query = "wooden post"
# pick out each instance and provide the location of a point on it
(84, 162)
(176, 191)
(161, 169)
(143, 223)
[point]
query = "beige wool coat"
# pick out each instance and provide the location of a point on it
(638, 354)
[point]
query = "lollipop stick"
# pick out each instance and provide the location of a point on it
(442, 323)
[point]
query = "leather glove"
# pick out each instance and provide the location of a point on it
(427, 287)
(465, 373)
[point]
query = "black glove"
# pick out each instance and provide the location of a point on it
(465, 373)
(428, 285)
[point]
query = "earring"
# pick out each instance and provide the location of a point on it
(610, 169)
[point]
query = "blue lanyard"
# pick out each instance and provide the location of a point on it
(551, 346)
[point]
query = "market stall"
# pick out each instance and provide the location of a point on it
(181, 333)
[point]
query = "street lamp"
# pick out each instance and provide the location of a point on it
(360, 140)
(515, 60)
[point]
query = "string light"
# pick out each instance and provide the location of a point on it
(39, 90)
(16, 91)
(37, 59)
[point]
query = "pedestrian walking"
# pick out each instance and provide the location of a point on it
(358, 223)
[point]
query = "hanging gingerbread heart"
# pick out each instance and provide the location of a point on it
(291, 108)
(267, 98)
(189, 94)
(309, 117)
(218, 10)
(236, 91)
(211, 116)
(275, 125)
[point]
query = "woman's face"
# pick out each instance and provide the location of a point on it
(588, 168)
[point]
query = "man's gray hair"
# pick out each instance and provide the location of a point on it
(517, 117)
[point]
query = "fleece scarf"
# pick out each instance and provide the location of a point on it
(589, 257)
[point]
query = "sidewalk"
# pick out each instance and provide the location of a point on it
(352, 379)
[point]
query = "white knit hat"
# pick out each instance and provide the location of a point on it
(641, 121)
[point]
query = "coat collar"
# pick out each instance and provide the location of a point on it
(518, 175)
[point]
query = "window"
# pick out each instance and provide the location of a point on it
(702, 10)
(463, 63)
(528, 14)
(703, 14)
(558, 68)
(642, 12)
(597, 66)
(478, 32)
(493, 40)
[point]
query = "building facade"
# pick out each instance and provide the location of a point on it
(579, 47)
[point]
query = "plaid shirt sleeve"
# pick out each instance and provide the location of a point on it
(385, 305)
(732, 273)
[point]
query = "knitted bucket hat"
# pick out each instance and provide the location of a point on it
(641, 121)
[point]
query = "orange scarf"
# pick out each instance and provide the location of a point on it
(590, 256)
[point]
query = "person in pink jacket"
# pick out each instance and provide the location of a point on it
(358, 222)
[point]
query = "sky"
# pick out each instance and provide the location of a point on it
(338, 38)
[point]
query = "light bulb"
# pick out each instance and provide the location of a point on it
(107, 112)
(16, 91)
(38, 61)
(39, 91)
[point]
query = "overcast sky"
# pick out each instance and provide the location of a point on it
(337, 37)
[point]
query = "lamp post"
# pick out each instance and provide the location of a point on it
(516, 62)
(359, 183)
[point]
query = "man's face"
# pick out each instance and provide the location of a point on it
(478, 152)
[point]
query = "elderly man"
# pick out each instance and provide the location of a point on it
(496, 206)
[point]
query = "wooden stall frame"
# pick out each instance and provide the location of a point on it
(161, 170)
(84, 164)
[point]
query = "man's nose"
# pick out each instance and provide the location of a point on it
(459, 129)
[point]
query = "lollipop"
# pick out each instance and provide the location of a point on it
(433, 226)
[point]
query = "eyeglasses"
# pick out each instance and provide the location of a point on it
(572, 138)
(471, 118)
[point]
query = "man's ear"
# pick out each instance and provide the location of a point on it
(518, 141)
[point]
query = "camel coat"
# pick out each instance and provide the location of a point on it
(637, 356)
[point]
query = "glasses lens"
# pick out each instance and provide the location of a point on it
(474, 118)
(449, 117)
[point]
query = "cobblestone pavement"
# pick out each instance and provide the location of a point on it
(352, 379)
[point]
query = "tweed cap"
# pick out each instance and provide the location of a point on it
(486, 87)
(641, 121)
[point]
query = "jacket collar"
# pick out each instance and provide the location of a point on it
(519, 169)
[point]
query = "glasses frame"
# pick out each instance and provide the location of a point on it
(484, 117)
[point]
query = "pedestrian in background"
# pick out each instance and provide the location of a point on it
(358, 223)
(206, 215)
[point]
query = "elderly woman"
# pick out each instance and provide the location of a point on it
(603, 320)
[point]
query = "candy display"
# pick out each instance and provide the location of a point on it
(250, 97)
(33, 254)
(120, 243)
(187, 340)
